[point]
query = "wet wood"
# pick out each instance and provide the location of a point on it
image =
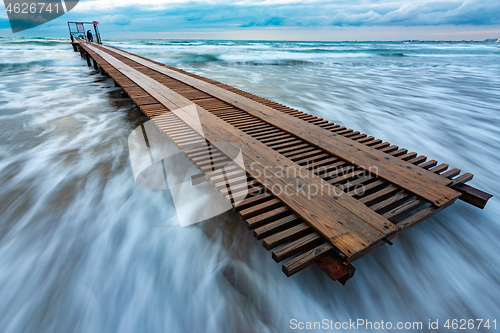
(415, 180)
(330, 231)
(356, 227)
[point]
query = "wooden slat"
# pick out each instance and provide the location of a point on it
(296, 264)
(473, 195)
(296, 246)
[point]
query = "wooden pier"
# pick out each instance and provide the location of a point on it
(328, 228)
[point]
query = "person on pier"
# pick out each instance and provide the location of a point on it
(89, 36)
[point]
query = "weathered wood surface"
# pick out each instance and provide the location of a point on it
(347, 223)
(416, 180)
(287, 227)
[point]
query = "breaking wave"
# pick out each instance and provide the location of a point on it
(83, 249)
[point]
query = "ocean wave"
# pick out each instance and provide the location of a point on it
(277, 63)
(33, 41)
(259, 57)
(79, 238)
(38, 63)
(397, 54)
(196, 58)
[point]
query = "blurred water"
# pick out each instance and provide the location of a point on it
(83, 249)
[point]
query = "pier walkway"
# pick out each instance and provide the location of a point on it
(366, 191)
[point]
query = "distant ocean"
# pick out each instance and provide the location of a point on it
(83, 249)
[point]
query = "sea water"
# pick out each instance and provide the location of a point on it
(84, 249)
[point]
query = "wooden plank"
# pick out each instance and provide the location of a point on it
(296, 246)
(462, 179)
(287, 235)
(267, 217)
(276, 226)
(298, 263)
(414, 179)
(473, 195)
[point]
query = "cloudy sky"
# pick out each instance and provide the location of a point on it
(282, 19)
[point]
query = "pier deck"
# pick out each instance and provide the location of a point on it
(331, 227)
